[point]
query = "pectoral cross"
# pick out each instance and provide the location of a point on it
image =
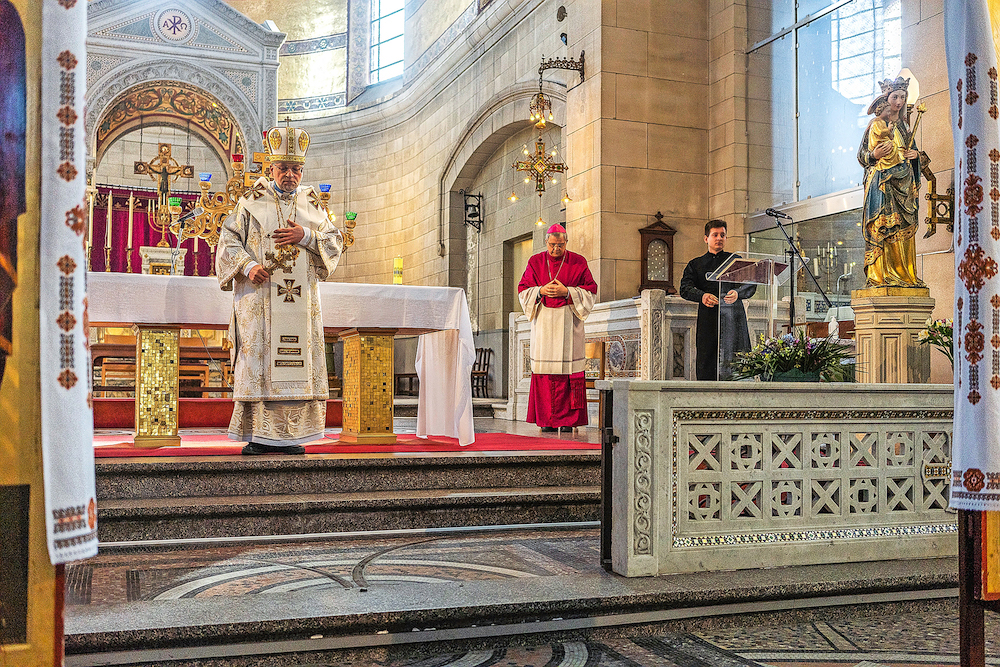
(164, 169)
(288, 291)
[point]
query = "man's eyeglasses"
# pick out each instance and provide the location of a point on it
(293, 168)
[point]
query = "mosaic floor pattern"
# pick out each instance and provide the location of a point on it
(919, 638)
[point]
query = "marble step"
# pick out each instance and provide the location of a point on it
(157, 478)
(309, 513)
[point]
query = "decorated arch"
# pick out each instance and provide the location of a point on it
(170, 103)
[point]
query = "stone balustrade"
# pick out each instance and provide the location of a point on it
(737, 475)
(650, 337)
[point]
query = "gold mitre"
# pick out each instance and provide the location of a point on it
(286, 144)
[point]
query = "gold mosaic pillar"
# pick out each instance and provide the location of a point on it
(157, 355)
(368, 384)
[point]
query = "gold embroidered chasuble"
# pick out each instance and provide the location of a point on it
(280, 381)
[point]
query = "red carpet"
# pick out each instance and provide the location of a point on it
(192, 412)
(204, 445)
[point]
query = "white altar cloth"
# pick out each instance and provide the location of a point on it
(445, 351)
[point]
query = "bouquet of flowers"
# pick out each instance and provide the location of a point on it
(939, 334)
(815, 358)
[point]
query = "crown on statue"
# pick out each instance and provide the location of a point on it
(890, 86)
(286, 144)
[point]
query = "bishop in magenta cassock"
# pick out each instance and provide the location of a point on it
(557, 294)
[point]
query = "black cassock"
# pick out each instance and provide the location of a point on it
(710, 364)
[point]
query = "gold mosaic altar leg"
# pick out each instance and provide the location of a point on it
(368, 375)
(157, 353)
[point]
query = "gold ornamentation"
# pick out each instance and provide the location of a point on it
(156, 391)
(274, 139)
(283, 258)
(303, 141)
(171, 98)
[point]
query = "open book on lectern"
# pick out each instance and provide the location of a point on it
(755, 269)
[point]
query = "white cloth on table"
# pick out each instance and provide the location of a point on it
(412, 310)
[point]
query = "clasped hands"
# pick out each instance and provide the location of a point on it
(554, 289)
(282, 236)
(711, 300)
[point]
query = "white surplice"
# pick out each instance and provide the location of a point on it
(280, 384)
(558, 345)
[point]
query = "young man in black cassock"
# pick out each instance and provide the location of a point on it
(711, 364)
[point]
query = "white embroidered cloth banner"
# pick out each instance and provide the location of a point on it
(970, 26)
(64, 369)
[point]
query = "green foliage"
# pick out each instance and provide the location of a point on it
(825, 356)
(939, 334)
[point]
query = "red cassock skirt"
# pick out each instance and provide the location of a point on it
(558, 400)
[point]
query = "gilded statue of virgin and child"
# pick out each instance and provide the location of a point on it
(892, 179)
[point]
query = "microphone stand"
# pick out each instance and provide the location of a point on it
(177, 249)
(793, 252)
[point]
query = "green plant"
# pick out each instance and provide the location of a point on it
(824, 356)
(939, 334)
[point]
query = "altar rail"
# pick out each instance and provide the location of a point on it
(739, 475)
(649, 337)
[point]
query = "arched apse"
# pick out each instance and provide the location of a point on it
(157, 85)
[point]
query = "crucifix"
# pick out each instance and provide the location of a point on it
(164, 169)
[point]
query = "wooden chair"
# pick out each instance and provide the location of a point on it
(407, 384)
(481, 372)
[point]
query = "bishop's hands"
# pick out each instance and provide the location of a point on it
(289, 235)
(258, 275)
(710, 300)
(554, 289)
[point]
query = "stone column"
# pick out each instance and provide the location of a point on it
(887, 321)
(653, 357)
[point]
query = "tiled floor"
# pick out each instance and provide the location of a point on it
(425, 562)
(422, 564)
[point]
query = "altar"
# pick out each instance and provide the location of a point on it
(158, 306)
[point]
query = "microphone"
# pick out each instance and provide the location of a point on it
(193, 213)
(777, 214)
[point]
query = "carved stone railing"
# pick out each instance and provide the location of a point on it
(736, 475)
(651, 337)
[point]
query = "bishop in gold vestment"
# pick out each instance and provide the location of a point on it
(273, 250)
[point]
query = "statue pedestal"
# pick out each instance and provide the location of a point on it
(887, 321)
(157, 260)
